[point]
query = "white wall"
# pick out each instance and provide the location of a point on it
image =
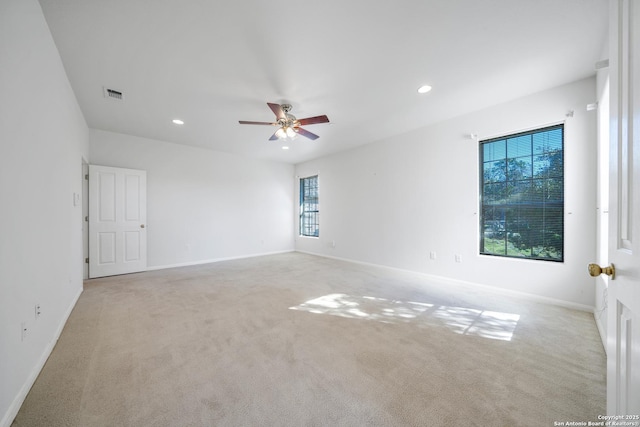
(43, 137)
(395, 201)
(204, 205)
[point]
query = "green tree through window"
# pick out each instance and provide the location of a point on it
(309, 212)
(522, 195)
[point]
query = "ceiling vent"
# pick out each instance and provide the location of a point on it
(114, 94)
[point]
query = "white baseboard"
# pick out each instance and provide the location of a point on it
(448, 280)
(209, 261)
(601, 310)
(13, 409)
(601, 328)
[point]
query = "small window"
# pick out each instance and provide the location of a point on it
(309, 214)
(522, 195)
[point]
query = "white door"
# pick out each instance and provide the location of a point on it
(623, 329)
(117, 221)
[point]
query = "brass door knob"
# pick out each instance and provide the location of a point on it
(595, 270)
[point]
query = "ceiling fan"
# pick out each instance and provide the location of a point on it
(289, 126)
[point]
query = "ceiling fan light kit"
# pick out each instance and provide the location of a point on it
(286, 132)
(288, 124)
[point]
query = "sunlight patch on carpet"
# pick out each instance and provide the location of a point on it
(461, 320)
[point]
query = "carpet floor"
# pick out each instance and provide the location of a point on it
(299, 340)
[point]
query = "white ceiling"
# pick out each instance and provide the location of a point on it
(360, 62)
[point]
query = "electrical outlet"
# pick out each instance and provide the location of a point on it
(38, 312)
(23, 331)
(432, 255)
(458, 258)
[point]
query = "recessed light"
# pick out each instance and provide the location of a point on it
(284, 147)
(177, 121)
(424, 89)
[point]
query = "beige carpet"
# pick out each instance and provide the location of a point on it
(298, 340)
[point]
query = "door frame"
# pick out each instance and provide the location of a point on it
(85, 219)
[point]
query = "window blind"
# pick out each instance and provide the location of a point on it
(522, 195)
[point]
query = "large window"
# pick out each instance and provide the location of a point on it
(309, 214)
(522, 195)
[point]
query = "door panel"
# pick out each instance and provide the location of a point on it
(131, 246)
(623, 335)
(106, 196)
(132, 205)
(625, 357)
(107, 248)
(117, 216)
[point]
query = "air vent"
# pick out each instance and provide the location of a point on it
(114, 94)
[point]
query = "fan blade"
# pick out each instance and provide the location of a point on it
(277, 110)
(313, 120)
(245, 122)
(306, 133)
